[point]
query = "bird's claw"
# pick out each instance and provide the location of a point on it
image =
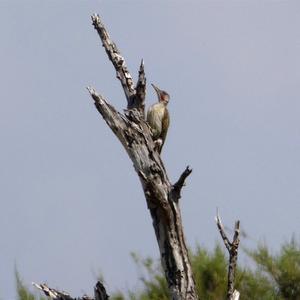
(158, 144)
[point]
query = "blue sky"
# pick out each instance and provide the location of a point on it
(71, 203)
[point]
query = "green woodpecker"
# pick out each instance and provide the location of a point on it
(158, 118)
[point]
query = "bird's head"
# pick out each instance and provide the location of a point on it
(163, 96)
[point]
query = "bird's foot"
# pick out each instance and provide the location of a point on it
(158, 144)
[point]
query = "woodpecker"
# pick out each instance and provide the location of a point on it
(158, 118)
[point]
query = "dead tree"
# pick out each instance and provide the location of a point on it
(161, 195)
(99, 293)
(232, 248)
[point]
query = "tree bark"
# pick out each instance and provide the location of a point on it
(161, 195)
(232, 248)
(99, 293)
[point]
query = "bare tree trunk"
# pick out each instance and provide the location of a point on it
(232, 248)
(161, 195)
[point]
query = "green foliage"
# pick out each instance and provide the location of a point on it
(273, 277)
(283, 269)
(253, 285)
(210, 273)
(23, 292)
(154, 283)
(118, 296)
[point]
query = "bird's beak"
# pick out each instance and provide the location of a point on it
(157, 90)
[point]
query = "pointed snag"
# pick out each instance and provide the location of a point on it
(140, 95)
(100, 292)
(177, 187)
(96, 97)
(116, 58)
(55, 294)
(222, 232)
(135, 135)
(112, 117)
(236, 232)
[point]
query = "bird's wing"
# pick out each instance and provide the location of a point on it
(165, 126)
(149, 114)
(152, 121)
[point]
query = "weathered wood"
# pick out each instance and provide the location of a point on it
(57, 295)
(135, 95)
(232, 248)
(236, 295)
(161, 196)
(139, 99)
(135, 135)
(99, 291)
(177, 187)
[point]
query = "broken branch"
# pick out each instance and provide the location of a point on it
(117, 60)
(140, 88)
(177, 187)
(232, 248)
(99, 290)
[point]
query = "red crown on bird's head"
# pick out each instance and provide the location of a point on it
(163, 96)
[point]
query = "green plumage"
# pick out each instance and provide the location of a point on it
(159, 120)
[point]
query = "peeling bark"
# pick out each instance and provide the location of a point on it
(116, 58)
(139, 100)
(162, 197)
